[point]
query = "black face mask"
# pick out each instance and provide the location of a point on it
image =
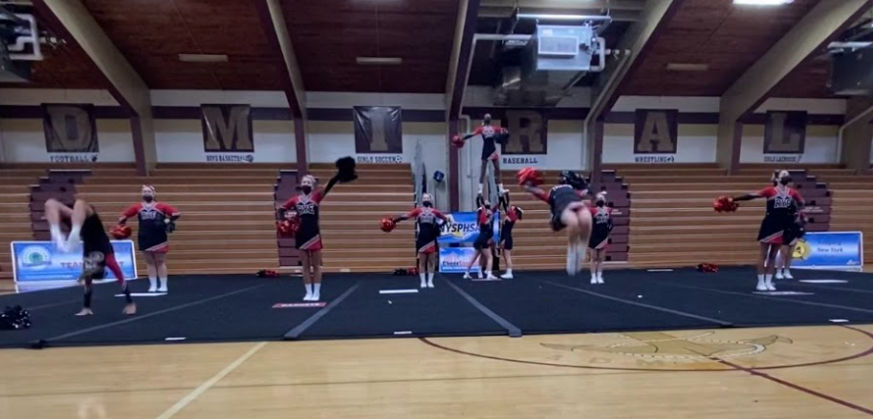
(487, 121)
(600, 203)
(784, 181)
(306, 189)
(427, 204)
(148, 198)
(488, 206)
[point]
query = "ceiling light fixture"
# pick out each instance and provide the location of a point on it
(379, 60)
(762, 2)
(203, 58)
(687, 67)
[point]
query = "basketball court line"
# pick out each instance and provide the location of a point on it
(834, 288)
(138, 317)
(720, 323)
(197, 392)
(300, 328)
(765, 297)
(513, 330)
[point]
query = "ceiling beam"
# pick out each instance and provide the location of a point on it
(72, 21)
(638, 39)
(276, 30)
(459, 64)
(820, 25)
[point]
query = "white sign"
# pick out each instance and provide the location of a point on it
(379, 158)
(230, 158)
(517, 160)
(782, 158)
(654, 158)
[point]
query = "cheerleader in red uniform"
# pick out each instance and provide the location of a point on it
(483, 243)
(568, 211)
(512, 215)
(602, 217)
(783, 205)
(308, 238)
(427, 219)
(490, 135)
(156, 219)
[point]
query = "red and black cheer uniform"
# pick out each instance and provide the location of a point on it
(307, 207)
(780, 223)
(485, 220)
(602, 217)
(152, 236)
(513, 214)
(98, 253)
(489, 134)
(559, 198)
(428, 228)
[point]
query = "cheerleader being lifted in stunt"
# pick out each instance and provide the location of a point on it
(778, 229)
(490, 137)
(512, 215)
(156, 220)
(428, 232)
(568, 210)
(602, 217)
(483, 243)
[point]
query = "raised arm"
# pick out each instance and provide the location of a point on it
(537, 192)
(330, 184)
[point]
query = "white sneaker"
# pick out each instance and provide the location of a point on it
(770, 286)
(787, 274)
(506, 276)
(467, 276)
(430, 284)
(153, 288)
(593, 279)
(316, 297)
(308, 297)
(599, 278)
(163, 288)
(761, 286)
(423, 285)
(491, 277)
(481, 276)
(779, 275)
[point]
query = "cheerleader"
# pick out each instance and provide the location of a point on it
(568, 211)
(490, 135)
(86, 228)
(484, 242)
(428, 232)
(156, 219)
(786, 254)
(305, 207)
(602, 217)
(512, 215)
(783, 205)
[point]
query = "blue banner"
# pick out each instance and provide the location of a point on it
(454, 260)
(830, 250)
(465, 228)
(35, 261)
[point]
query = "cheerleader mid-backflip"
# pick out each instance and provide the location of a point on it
(512, 214)
(428, 232)
(568, 211)
(602, 217)
(98, 255)
(778, 229)
(483, 242)
(156, 220)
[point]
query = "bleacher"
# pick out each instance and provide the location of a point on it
(350, 219)
(15, 183)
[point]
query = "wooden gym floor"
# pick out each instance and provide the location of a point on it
(803, 372)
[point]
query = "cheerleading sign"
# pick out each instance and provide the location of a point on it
(456, 241)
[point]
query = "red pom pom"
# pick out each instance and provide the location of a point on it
(529, 175)
(387, 225)
(725, 204)
(457, 141)
(287, 228)
(121, 232)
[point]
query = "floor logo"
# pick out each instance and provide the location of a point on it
(663, 346)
